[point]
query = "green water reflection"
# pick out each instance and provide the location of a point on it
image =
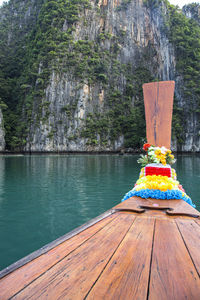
(44, 197)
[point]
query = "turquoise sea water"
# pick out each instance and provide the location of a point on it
(43, 197)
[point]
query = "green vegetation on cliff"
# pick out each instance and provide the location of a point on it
(15, 28)
(30, 45)
(184, 34)
(39, 38)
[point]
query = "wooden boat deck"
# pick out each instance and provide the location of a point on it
(141, 249)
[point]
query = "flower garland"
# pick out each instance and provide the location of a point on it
(157, 179)
(156, 182)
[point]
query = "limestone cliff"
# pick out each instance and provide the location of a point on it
(136, 32)
(78, 83)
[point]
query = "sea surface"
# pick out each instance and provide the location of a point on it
(42, 197)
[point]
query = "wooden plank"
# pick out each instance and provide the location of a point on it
(73, 277)
(135, 203)
(17, 280)
(132, 202)
(190, 232)
(183, 208)
(158, 100)
(176, 206)
(173, 275)
(127, 274)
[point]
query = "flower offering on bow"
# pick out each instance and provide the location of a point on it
(156, 155)
(157, 179)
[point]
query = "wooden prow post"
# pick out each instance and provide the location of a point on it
(158, 101)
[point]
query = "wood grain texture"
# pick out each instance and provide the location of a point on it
(73, 277)
(71, 268)
(158, 100)
(126, 276)
(177, 206)
(190, 232)
(17, 280)
(173, 275)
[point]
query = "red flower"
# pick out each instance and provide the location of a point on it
(146, 147)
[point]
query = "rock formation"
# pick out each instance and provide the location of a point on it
(82, 91)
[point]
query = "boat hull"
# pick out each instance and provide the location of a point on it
(141, 248)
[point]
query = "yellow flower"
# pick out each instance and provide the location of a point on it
(158, 152)
(163, 161)
(162, 183)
